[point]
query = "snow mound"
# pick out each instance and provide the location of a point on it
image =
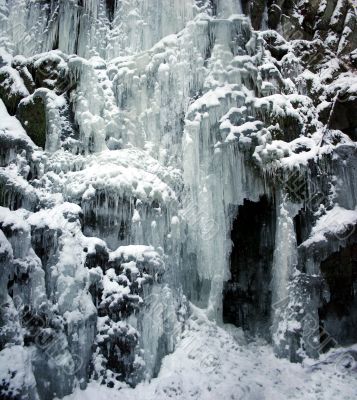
(212, 362)
(126, 173)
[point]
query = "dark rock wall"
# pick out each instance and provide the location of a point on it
(333, 22)
(338, 311)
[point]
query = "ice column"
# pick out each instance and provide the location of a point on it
(284, 263)
(225, 8)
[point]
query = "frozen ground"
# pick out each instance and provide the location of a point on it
(212, 363)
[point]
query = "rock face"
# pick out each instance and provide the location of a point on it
(12, 88)
(32, 116)
(165, 156)
(342, 116)
(332, 21)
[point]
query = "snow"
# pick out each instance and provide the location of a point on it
(5, 246)
(334, 222)
(210, 99)
(339, 9)
(345, 86)
(138, 253)
(17, 185)
(15, 219)
(120, 176)
(111, 287)
(14, 82)
(54, 217)
(213, 362)
(15, 372)
(11, 128)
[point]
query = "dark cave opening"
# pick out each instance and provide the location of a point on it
(338, 310)
(247, 295)
(111, 4)
(303, 222)
(298, 229)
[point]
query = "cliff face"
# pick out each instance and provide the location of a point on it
(324, 38)
(331, 21)
(166, 168)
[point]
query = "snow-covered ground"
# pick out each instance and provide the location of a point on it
(213, 362)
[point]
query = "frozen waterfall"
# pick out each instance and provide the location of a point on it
(168, 172)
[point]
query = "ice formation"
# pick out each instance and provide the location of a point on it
(162, 160)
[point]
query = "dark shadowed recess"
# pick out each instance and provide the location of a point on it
(111, 8)
(338, 311)
(247, 295)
